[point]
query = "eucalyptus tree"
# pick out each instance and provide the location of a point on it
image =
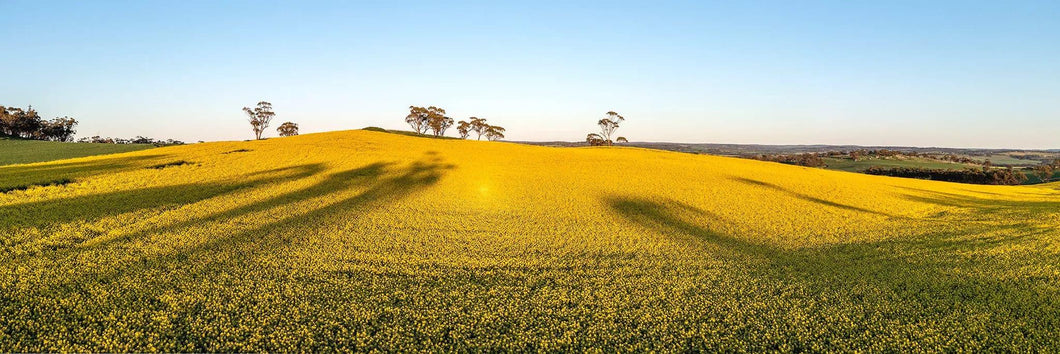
(479, 126)
(594, 139)
(417, 119)
(608, 125)
(464, 128)
(260, 117)
(23, 123)
(494, 133)
(7, 121)
(288, 129)
(439, 123)
(58, 129)
(423, 119)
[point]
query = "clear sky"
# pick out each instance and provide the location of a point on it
(924, 73)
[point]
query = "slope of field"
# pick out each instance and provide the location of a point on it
(363, 240)
(13, 151)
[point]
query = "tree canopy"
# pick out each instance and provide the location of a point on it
(27, 124)
(260, 117)
(287, 129)
(608, 125)
(424, 119)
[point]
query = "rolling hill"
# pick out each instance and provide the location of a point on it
(360, 240)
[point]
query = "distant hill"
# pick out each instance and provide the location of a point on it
(1002, 156)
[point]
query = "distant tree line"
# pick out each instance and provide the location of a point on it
(137, 140)
(998, 176)
(434, 120)
(961, 159)
(1045, 171)
(1034, 157)
(807, 159)
(27, 124)
(860, 154)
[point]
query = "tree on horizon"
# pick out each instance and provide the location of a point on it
(464, 128)
(494, 133)
(288, 129)
(260, 117)
(479, 126)
(608, 125)
(424, 119)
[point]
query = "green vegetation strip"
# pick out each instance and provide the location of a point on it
(17, 151)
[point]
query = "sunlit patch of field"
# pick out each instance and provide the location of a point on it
(368, 240)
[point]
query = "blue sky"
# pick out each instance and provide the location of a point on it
(924, 73)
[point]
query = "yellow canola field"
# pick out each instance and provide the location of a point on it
(361, 240)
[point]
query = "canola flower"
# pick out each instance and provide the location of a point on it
(366, 241)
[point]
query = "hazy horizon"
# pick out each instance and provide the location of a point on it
(943, 74)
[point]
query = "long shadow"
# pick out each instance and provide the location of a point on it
(985, 206)
(666, 217)
(88, 208)
(21, 175)
(381, 188)
(233, 254)
(334, 182)
(919, 269)
(810, 198)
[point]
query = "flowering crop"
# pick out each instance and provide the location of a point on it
(362, 240)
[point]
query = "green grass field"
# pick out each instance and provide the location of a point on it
(845, 164)
(1008, 160)
(16, 151)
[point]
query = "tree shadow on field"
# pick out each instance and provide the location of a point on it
(385, 185)
(382, 185)
(24, 175)
(93, 207)
(332, 183)
(659, 217)
(926, 273)
(986, 206)
(137, 274)
(809, 198)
